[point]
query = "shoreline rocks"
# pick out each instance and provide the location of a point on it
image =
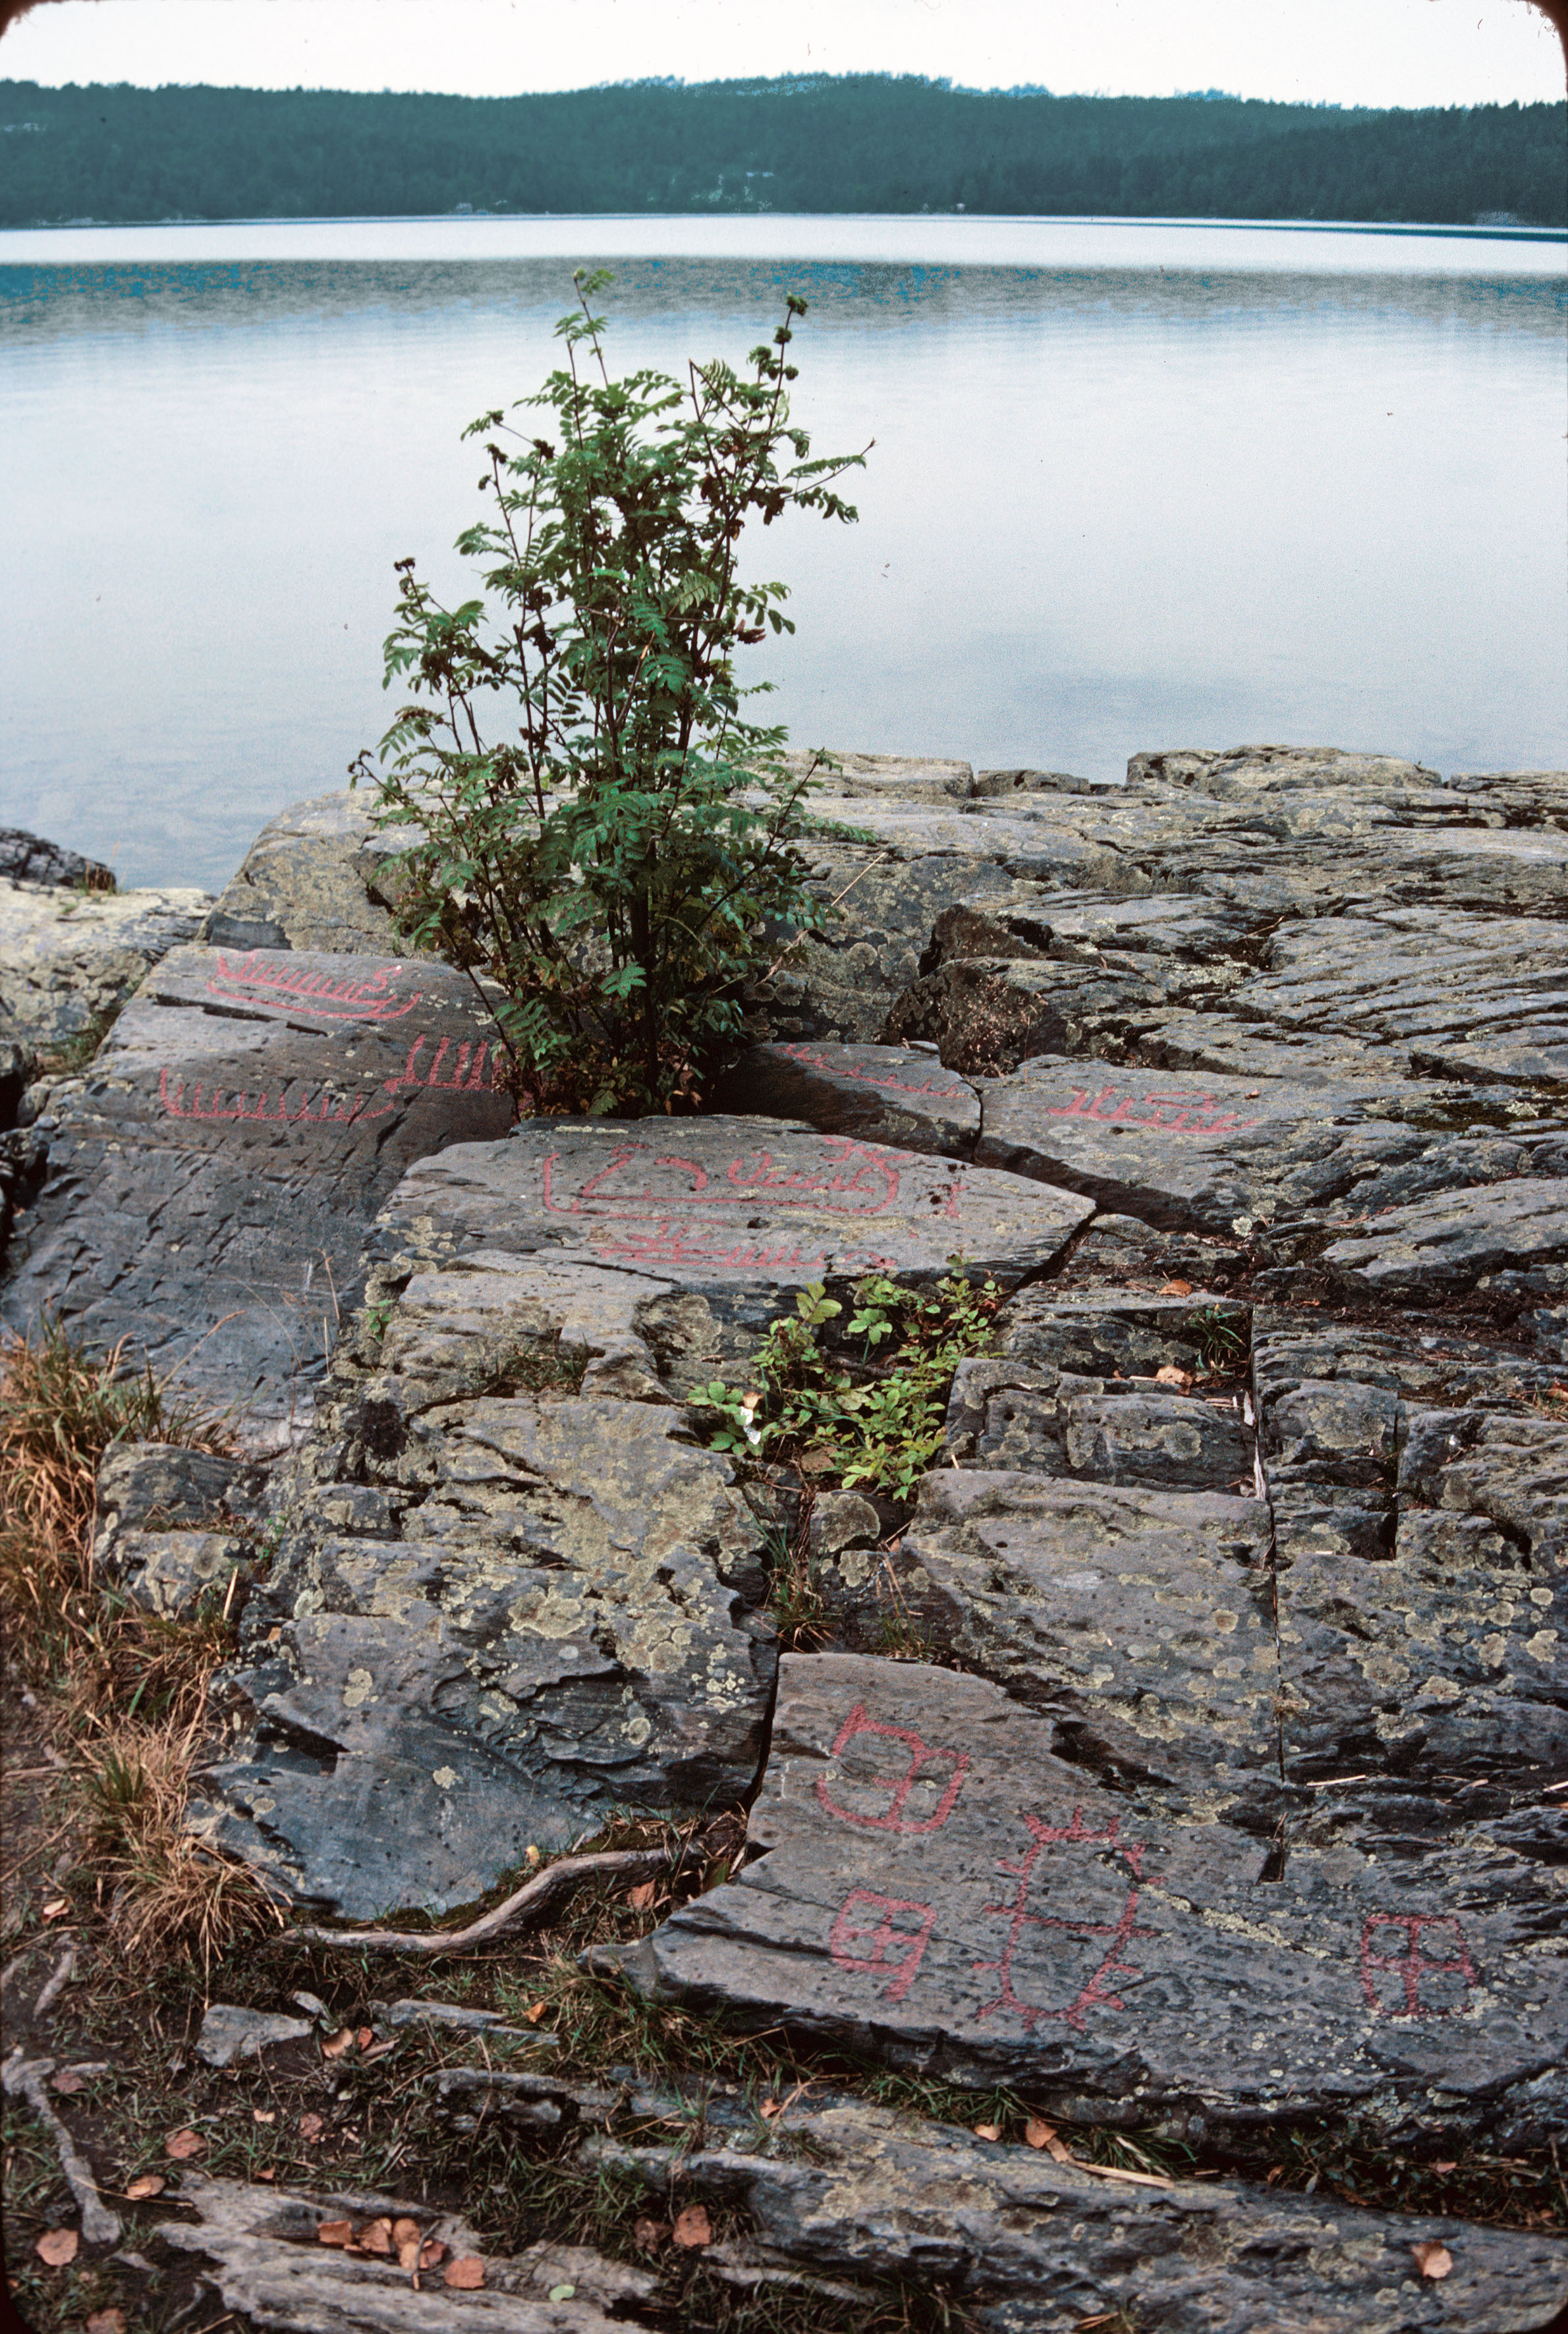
(1189, 1751)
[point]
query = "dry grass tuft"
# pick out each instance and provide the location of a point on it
(165, 1889)
(126, 1689)
(60, 1413)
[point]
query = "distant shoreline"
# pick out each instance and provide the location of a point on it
(1474, 234)
(819, 145)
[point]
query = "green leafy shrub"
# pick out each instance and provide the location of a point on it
(623, 864)
(872, 1416)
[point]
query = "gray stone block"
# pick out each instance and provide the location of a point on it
(940, 1888)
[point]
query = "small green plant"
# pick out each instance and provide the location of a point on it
(614, 873)
(873, 1416)
(1221, 1340)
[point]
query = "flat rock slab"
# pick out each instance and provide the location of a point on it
(1206, 1152)
(1008, 1414)
(741, 1207)
(534, 1612)
(211, 1180)
(1141, 1622)
(1412, 978)
(878, 1093)
(1420, 1511)
(938, 1886)
(68, 959)
(308, 880)
(1109, 1334)
(1511, 1236)
(1030, 2246)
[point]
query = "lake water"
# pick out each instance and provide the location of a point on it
(1134, 485)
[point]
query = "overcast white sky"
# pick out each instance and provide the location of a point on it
(1343, 51)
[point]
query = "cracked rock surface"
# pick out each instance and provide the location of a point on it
(1188, 1753)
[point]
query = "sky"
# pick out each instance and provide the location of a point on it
(1406, 52)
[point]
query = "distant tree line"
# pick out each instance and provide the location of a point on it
(861, 142)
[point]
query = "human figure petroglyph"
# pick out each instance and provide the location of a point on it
(1096, 1990)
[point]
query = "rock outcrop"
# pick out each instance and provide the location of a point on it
(1189, 1751)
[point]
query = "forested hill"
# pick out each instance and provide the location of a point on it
(868, 142)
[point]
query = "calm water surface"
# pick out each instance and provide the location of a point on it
(1133, 485)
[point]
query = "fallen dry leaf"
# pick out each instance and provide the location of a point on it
(772, 2107)
(692, 2227)
(376, 2236)
(649, 2234)
(537, 2013)
(335, 2233)
(380, 2049)
(312, 2125)
(145, 2184)
(106, 2322)
(266, 2173)
(68, 2082)
(336, 2044)
(466, 2273)
(988, 2131)
(642, 1896)
(263, 2115)
(1432, 2259)
(55, 1907)
(1176, 1288)
(55, 2247)
(1447, 2168)
(1171, 1375)
(1037, 2134)
(183, 2145)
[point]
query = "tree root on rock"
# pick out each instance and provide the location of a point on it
(532, 1903)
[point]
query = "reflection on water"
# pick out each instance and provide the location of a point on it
(1132, 487)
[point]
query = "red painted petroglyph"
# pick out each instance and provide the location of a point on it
(466, 1074)
(815, 1061)
(638, 1180)
(1413, 1964)
(1095, 1993)
(1171, 1113)
(265, 976)
(866, 1918)
(951, 1768)
(322, 1109)
(670, 1243)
